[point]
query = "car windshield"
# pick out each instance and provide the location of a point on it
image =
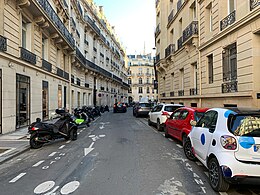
(171, 108)
(245, 125)
(145, 105)
(198, 115)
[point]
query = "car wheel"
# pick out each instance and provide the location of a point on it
(158, 125)
(184, 137)
(166, 135)
(188, 150)
(216, 178)
(73, 134)
(149, 122)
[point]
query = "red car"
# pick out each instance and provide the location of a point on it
(178, 124)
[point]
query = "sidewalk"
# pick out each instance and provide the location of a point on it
(13, 144)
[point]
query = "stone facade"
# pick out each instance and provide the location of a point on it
(56, 54)
(208, 53)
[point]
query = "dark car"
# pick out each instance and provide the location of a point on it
(119, 107)
(142, 108)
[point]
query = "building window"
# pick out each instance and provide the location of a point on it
(231, 6)
(140, 71)
(140, 81)
(181, 79)
(140, 90)
(45, 100)
(78, 99)
(230, 63)
(44, 48)
(129, 81)
(210, 68)
(148, 81)
(59, 96)
(148, 90)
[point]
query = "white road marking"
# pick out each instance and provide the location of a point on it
(52, 154)
(17, 177)
(70, 187)
(199, 163)
(179, 145)
(155, 131)
(223, 193)
(102, 135)
(91, 144)
(87, 151)
(91, 136)
(44, 187)
(170, 139)
(7, 151)
(171, 187)
(53, 191)
(38, 163)
(80, 131)
(102, 127)
(67, 142)
(61, 146)
(45, 167)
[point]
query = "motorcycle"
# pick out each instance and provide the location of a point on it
(82, 117)
(43, 132)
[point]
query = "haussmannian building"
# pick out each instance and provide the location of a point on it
(54, 54)
(208, 52)
(141, 78)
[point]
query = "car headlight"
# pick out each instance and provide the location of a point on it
(228, 142)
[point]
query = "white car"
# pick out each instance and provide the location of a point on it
(227, 142)
(158, 114)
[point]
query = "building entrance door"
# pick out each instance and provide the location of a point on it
(22, 100)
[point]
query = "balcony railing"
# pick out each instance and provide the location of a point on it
(3, 43)
(80, 56)
(230, 19)
(169, 50)
(157, 30)
(86, 85)
(78, 81)
(193, 91)
(229, 87)
(46, 65)
(57, 21)
(254, 4)
(181, 93)
(191, 30)
(179, 4)
(117, 78)
(60, 72)
(170, 17)
(103, 38)
(172, 94)
(180, 42)
(92, 24)
(28, 56)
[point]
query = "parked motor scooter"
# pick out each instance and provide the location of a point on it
(82, 117)
(43, 132)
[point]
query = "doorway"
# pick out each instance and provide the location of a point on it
(22, 101)
(45, 100)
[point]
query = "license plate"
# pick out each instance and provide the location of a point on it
(257, 148)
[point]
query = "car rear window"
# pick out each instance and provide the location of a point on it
(245, 125)
(171, 108)
(145, 105)
(198, 115)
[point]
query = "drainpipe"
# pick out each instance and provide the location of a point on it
(199, 53)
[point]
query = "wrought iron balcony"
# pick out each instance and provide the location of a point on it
(60, 72)
(157, 30)
(80, 56)
(117, 78)
(181, 93)
(229, 87)
(191, 30)
(78, 81)
(230, 19)
(92, 24)
(193, 91)
(180, 42)
(179, 4)
(169, 50)
(254, 4)
(170, 17)
(86, 85)
(66, 75)
(103, 38)
(3, 43)
(57, 21)
(46, 65)
(28, 56)
(172, 94)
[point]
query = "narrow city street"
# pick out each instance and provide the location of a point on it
(117, 155)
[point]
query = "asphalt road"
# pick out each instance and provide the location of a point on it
(118, 155)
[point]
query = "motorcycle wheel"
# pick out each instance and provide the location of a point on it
(33, 143)
(73, 134)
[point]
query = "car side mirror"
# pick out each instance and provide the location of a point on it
(193, 123)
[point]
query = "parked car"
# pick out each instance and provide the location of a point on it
(159, 113)
(141, 108)
(119, 107)
(227, 142)
(178, 124)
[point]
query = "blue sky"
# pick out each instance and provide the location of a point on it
(134, 22)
